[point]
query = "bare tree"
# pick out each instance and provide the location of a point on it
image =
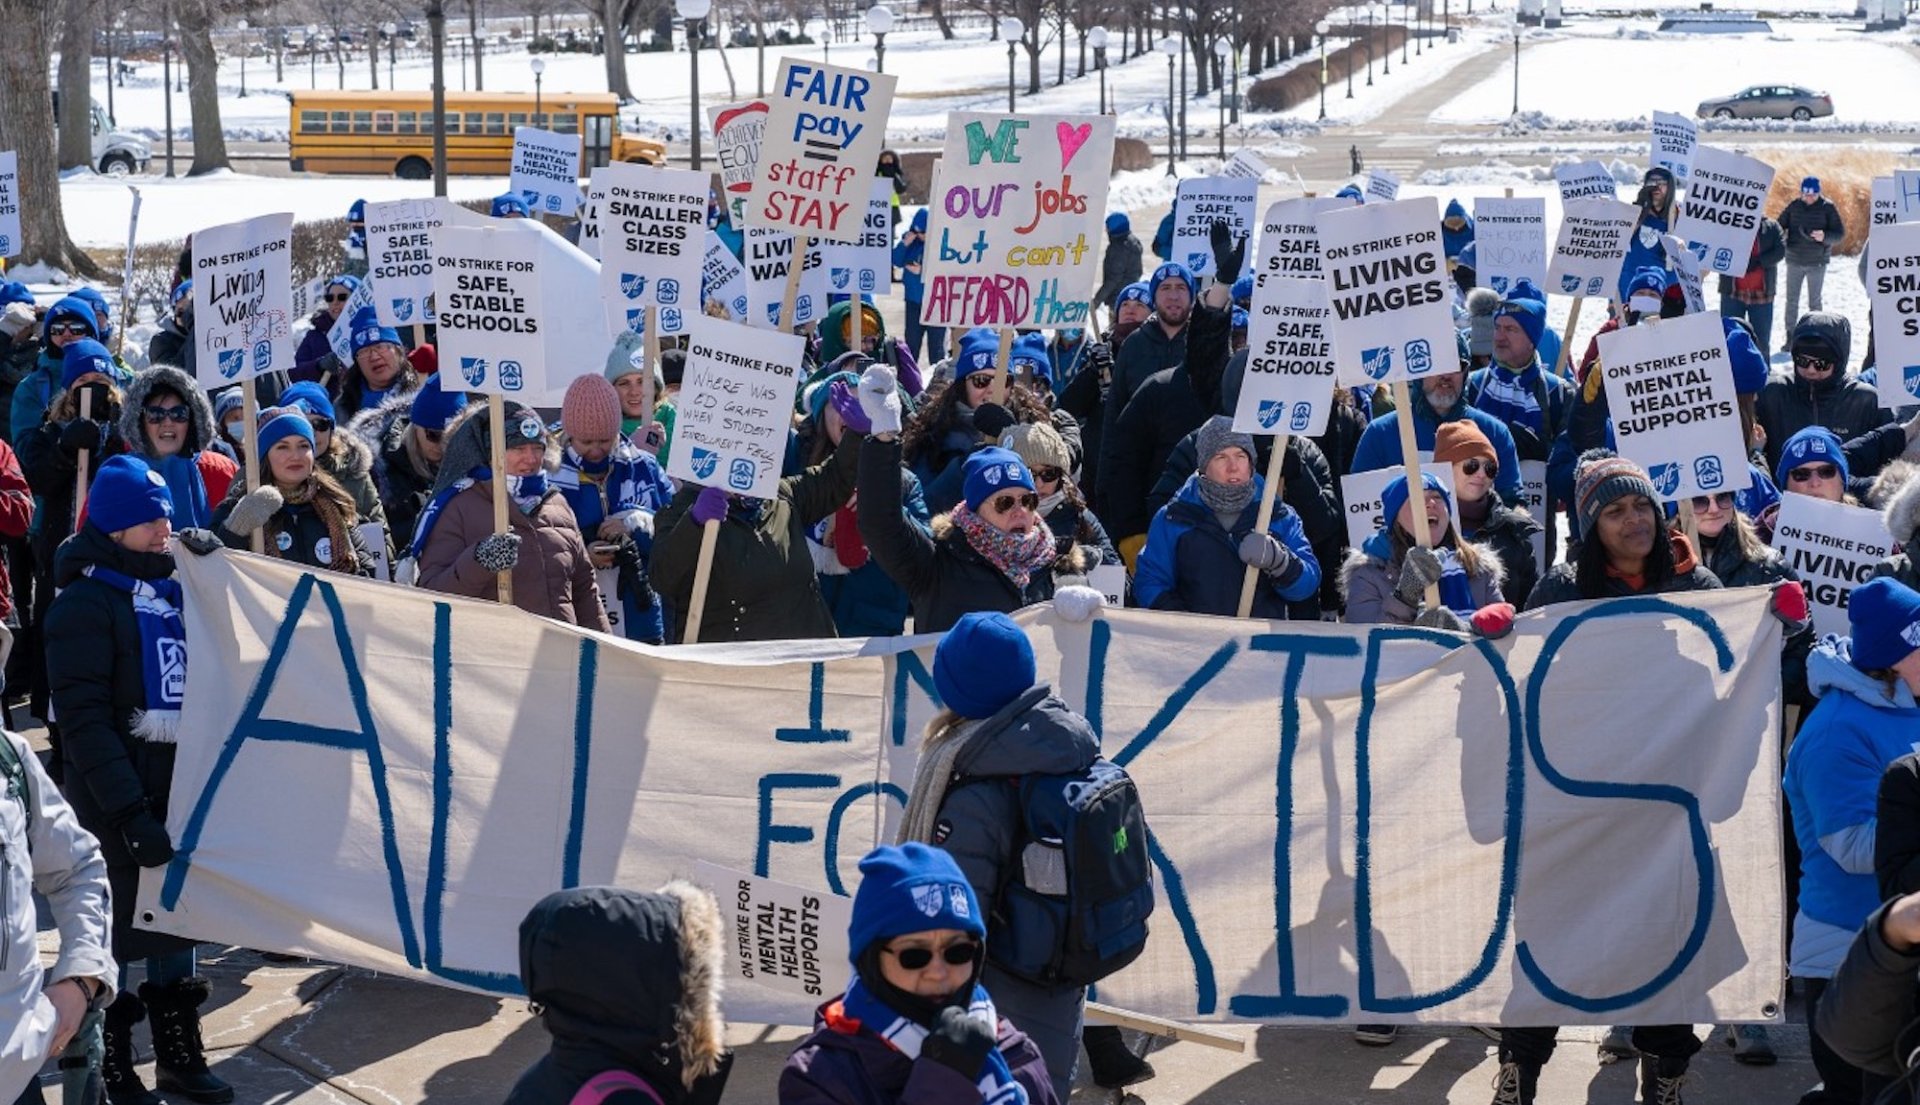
(479, 49)
(196, 18)
(615, 37)
(23, 80)
(76, 83)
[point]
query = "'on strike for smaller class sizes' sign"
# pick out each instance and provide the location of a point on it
(486, 281)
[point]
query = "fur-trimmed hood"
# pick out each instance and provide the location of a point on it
(348, 457)
(468, 447)
(381, 427)
(200, 434)
(1903, 509)
(1070, 564)
(629, 978)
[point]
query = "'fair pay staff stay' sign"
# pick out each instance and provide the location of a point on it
(823, 138)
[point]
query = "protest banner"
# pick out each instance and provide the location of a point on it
(1893, 291)
(653, 235)
(1291, 365)
(340, 334)
(1723, 208)
(1289, 243)
(1361, 493)
(784, 938)
(1017, 220)
(1833, 548)
(243, 299)
(1670, 387)
(1200, 201)
(400, 259)
(825, 126)
(769, 264)
(737, 132)
(1244, 163)
(1686, 272)
(1676, 140)
(1584, 180)
(9, 203)
(1431, 859)
(723, 281)
(590, 215)
(865, 267)
(1382, 186)
(1591, 247)
(735, 407)
(546, 170)
(1387, 281)
(1510, 242)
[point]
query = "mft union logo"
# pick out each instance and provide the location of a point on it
(637, 319)
(841, 277)
(1198, 261)
(1269, 413)
(230, 362)
(633, 285)
(1377, 362)
(403, 309)
(1570, 283)
(473, 370)
(705, 462)
(1910, 377)
(1666, 478)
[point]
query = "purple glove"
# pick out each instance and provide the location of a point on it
(847, 404)
(911, 381)
(710, 506)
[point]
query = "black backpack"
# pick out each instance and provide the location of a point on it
(1072, 907)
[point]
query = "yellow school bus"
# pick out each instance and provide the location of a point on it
(392, 132)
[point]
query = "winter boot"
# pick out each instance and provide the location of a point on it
(117, 1067)
(1515, 1083)
(1751, 1045)
(1616, 1045)
(1113, 1063)
(1660, 1080)
(180, 1062)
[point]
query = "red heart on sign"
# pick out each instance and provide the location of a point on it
(1071, 139)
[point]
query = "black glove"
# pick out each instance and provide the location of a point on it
(991, 420)
(1100, 360)
(147, 839)
(199, 542)
(80, 434)
(1229, 257)
(330, 365)
(959, 1041)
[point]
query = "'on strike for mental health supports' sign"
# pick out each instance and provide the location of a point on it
(1591, 246)
(1670, 386)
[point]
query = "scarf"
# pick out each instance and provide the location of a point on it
(336, 516)
(1050, 503)
(1514, 396)
(835, 543)
(188, 489)
(1456, 590)
(1017, 556)
(931, 774)
(1229, 499)
(430, 514)
(996, 1082)
(527, 491)
(163, 650)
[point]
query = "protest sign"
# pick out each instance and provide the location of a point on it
(546, 170)
(9, 203)
(788, 939)
(1387, 280)
(243, 299)
(1833, 548)
(1362, 493)
(1198, 203)
(1686, 272)
(486, 281)
(374, 536)
(590, 215)
(1584, 180)
(1509, 242)
(736, 403)
(1723, 208)
(1382, 186)
(1430, 861)
(1670, 387)
(824, 129)
(1244, 163)
(1111, 581)
(723, 280)
(1017, 220)
(340, 334)
(1289, 242)
(737, 132)
(865, 267)
(1591, 247)
(1893, 291)
(400, 259)
(1533, 498)
(1906, 193)
(653, 236)
(309, 297)
(769, 255)
(1289, 381)
(1676, 139)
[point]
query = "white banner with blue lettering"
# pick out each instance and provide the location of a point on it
(1578, 824)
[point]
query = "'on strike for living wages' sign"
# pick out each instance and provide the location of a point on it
(865, 266)
(653, 227)
(546, 170)
(1676, 139)
(1723, 208)
(824, 129)
(1584, 180)
(1834, 548)
(1670, 386)
(486, 281)
(737, 131)
(9, 203)
(590, 215)
(1198, 203)
(769, 257)
(1591, 246)
(1510, 241)
(1019, 209)
(1409, 844)
(1387, 282)
(1893, 289)
(736, 403)
(1288, 385)
(243, 299)
(400, 259)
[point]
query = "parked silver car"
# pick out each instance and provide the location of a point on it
(1768, 101)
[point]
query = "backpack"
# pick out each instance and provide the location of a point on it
(607, 1083)
(13, 777)
(1074, 909)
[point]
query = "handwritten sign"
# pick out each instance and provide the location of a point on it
(769, 256)
(1584, 180)
(546, 170)
(9, 203)
(653, 233)
(243, 299)
(486, 281)
(825, 127)
(1676, 139)
(865, 267)
(1509, 242)
(1244, 163)
(736, 403)
(1670, 386)
(1198, 203)
(1723, 208)
(1893, 288)
(1382, 186)
(1591, 246)
(737, 132)
(1289, 381)
(1834, 548)
(1018, 213)
(1387, 280)
(400, 259)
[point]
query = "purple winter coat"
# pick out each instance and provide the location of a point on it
(845, 1064)
(314, 349)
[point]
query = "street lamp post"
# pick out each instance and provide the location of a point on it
(463, 64)
(1097, 38)
(1369, 45)
(242, 28)
(879, 21)
(1407, 11)
(437, 29)
(1386, 52)
(693, 11)
(1320, 29)
(392, 31)
(539, 67)
(1169, 46)
(1012, 30)
(1221, 48)
(1516, 61)
(1421, 18)
(313, 56)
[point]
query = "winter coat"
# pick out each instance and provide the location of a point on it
(1146, 351)
(1161, 415)
(942, 574)
(1192, 563)
(174, 346)
(1896, 845)
(1552, 394)
(1799, 219)
(553, 576)
(1723, 559)
(866, 602)
(1077, 526)
(1869, 1006)
(1380, 445)
(95, 677)
(1508, 534)
(296, 533)
(16, 517)
(630, 492)
(350, 462)
(40, 388)
(1370, 583)
(1644, 248)
(907, 254)
(1562, 584)
(847, 1063)
(52, 474)
(1084, 399)
(1124, 264)
(315, 355)
(624, 981)
(763, 586)
(216, 469)
(1163, 238)
(1842, 402)
(941, 469)
(1453, 241)
(403, 489)
(1832, 785)
(1769, 249)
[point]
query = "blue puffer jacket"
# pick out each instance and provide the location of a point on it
(631, 490)
(1190, 563)
(1453, 241)
(912, 284)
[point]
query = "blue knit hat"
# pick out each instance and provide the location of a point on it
(1174, 270)
(1136, 292)
(912, 888)
(816, 394)
(1648, 279)
(509, 203)
(1030, 352)
(1749, 364)
(983, 663)
(282, 422)
(990, 471)
(310, 397)
(1531, 314)
(1813, 445)
(70, 308)
(1394, 497)
(1810, 184)
(1467, 258)
(1242, 290)
(979, 348)
(127, 493)
(1351, 192)
(1884, 617)
(366, 330)
(12, 291)
(1239, 319)
(357, 213)
(1118, 224)
(344, 280)
(226, 402)
(82, 357)
(102, 314)
(433, 408)
(180, 291)
(919, 223)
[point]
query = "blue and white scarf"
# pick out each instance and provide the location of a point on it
(430, 514)
(996, 1085)
(1514, 397)
(1456, 589)
(163, 651)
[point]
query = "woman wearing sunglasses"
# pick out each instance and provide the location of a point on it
(941, 434)
(315, 355)
(167, 422)
(914, 1025)
(1506, 532)
(1812, 462)
(69, 320)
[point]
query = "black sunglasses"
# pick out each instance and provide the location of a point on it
(431, 435)
(1005, 503)
(981, 380)
(1801, 360)
(1807, 473)
(338, 298)
(157, 415)
(1048, 475)
(1473, 466)
(320, 425)
(1723, 500)
(919, 959)
(69, 329)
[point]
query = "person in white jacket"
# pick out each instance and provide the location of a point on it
(43, 847)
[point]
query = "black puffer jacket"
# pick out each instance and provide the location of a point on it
(402, 488)
(1167, 406)
(1561, 584)
(1867, 1013)
(1896, 836)
(1723, 559)
(95, 672)
(1842, 402)
(52, 473)
(1509, 533)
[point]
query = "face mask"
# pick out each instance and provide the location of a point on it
(232, 428)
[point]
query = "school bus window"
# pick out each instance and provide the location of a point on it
(363, 122)
(339, 123)
(518, 119)
(496, 122)
(404, 123)
(476, 123)
(566, 124)
(383, 122)
(313, 121)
